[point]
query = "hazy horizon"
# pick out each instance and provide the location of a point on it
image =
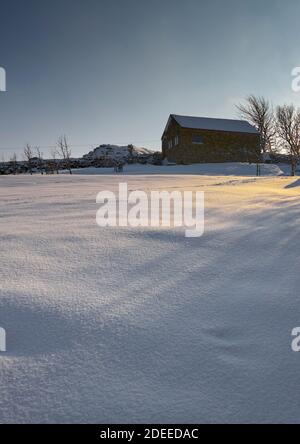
(112, 72)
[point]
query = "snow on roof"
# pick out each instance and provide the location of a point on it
(206, 123)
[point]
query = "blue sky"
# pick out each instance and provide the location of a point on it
(111, 71)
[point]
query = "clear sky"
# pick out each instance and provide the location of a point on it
(111, 71)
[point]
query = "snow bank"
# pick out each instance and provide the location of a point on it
(207, 169)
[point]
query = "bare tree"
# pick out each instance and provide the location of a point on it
(54, 162)
(288, 131)
(259, 112)
(28, 154)
(39, 156)
(14, 163)
(65, 151)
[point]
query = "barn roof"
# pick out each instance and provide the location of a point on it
(206, 123)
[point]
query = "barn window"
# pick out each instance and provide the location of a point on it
(170, 144)
(197, 140)
(176, 141)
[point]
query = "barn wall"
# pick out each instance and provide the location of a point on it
(219, 146)
(173, 131)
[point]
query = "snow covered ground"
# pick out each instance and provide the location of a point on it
(145, 325)
(206, 169)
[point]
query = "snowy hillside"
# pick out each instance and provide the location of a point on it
(116, 152)
(144, 325)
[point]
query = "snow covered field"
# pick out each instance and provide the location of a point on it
(206, 169)
(145, 325)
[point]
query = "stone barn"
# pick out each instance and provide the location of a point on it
(201, 140)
